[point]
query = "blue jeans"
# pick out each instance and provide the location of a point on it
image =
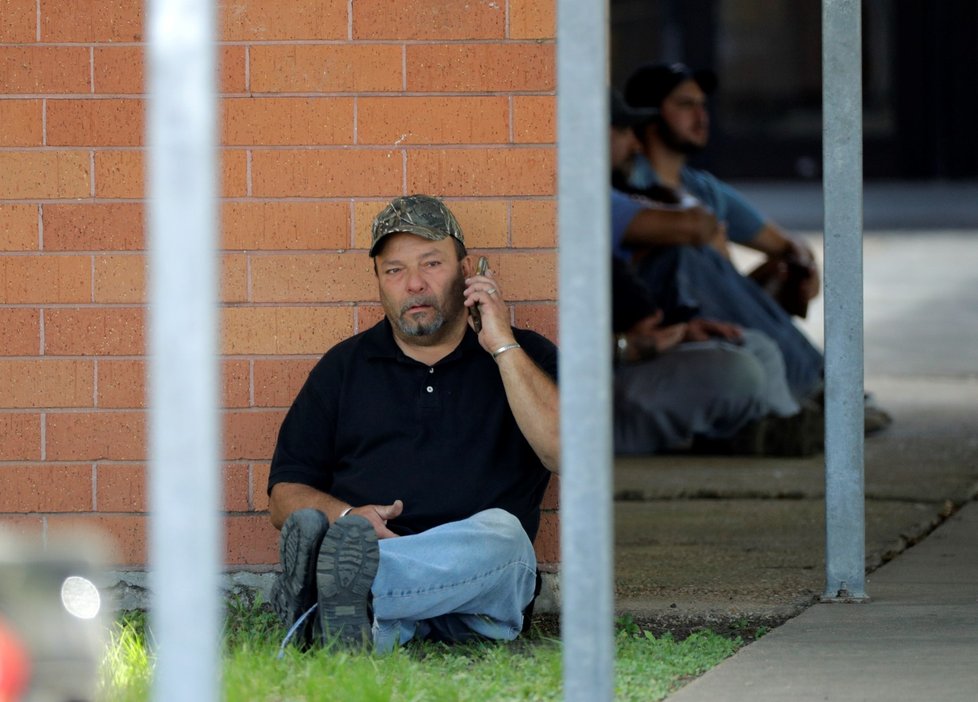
(462, 580)
(699, 277)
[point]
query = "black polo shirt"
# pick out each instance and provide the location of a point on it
(372, 425)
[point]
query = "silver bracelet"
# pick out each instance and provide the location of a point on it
(344, 512)
(504, 348)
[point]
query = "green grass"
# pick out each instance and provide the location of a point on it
(647, 667)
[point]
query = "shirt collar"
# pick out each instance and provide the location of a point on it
(378, 342)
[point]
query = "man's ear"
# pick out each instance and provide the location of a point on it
(468, 266)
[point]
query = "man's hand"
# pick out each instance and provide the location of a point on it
(800, 255)
(785, 253)
(286, 498)
(483, 290)
(666, 225)
(647, 338)
(531, 393)
(705, 329)
(378, 516)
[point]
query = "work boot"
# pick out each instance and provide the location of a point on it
(800, 435)
(294, 591)
(875, 418)
(348, 560)
(749, 441)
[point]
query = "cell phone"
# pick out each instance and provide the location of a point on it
(480, 269)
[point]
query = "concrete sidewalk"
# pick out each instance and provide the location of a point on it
(737, 544)
(916, 639)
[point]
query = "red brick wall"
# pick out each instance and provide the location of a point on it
(329, 108)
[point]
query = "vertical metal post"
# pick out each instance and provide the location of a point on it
(845, 525)
(587, 555)
(185, 537)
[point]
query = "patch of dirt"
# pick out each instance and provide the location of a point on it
(748, 628)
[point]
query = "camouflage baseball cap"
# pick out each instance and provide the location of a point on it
(423, 215)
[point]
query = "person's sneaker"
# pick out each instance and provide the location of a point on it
(294, 591)
(348, 560)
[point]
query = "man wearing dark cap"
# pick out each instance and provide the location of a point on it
(702, 276)
(689, 223)
(681, 130)
(681, 379)
(409, 471)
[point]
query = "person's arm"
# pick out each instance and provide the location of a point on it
(301, 467)
(533, 399)
(638, 222)
(746, 225)
(287, 498)
(772, 240)
(700, 329)
(661, 226)
(784, 249)
(531, 393)
(647, 338)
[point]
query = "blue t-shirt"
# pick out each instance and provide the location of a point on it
(623, 210)
(742, 219)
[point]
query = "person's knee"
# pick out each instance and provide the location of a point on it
(727, 373)
(758, 342)
(730, 375)
(745, 375)
(501, 523)
(504, 529)
(497, 518)
(765, 350)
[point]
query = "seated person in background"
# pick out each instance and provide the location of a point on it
(699, 385)
(682, 129)
(677, 381)
(409, 471)
(687, 263)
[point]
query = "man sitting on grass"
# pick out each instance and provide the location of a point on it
(409, 471)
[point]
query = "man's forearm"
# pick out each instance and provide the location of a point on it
(671, 227)
(287, 498)
(775, 242)
(534, 401)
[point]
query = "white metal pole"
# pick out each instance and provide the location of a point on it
(845, 521)
(587, 543)
(185, 534)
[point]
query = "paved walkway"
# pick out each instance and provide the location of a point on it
(738, 544)
(916, 639)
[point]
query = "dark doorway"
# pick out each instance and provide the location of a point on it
(920, 81)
